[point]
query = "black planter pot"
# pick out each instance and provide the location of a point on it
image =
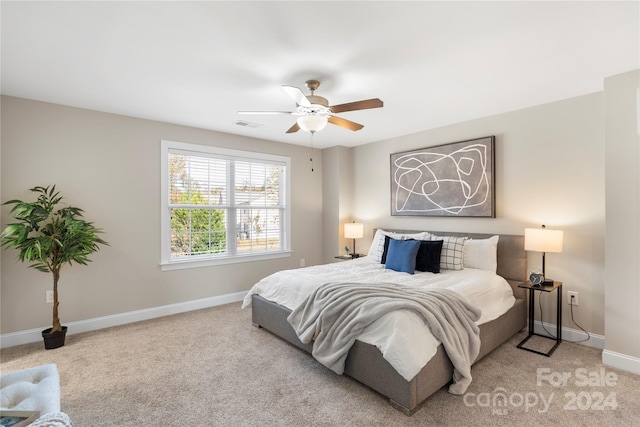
(54, 340)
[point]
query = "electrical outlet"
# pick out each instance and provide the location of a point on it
(48, 297)
(302, 262)
(573, 298)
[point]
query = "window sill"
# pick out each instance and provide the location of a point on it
(210, 262)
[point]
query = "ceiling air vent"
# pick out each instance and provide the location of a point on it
(247, 124)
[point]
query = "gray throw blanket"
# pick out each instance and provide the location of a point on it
(335, 314)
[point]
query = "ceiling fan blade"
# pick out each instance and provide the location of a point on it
(358, 105)
(265, 112)
(294, 128)
(297, 95)
(348, 124)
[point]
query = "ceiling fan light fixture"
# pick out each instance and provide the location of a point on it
(312, 123)
(314, 112)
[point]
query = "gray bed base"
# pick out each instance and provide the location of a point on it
(365, 362)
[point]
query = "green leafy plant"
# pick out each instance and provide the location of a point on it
(49, 236)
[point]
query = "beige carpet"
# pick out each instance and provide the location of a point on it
(212, 368)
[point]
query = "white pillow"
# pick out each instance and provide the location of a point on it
(377, 246)
(452, 255)
(481, 254)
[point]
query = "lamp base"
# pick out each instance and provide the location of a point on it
(547, 282)
(355, 255)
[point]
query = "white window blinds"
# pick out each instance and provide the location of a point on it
(223, 204)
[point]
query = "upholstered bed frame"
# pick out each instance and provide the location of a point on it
(365, 362)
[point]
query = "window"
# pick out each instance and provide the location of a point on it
(222, 206)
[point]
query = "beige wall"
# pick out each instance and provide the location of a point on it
(622, 309)
(337, 199)
(330, 201)
(549, 170)
(109, 165)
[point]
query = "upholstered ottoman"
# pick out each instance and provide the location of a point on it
(33, 389)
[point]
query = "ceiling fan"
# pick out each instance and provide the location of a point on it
(314, 111)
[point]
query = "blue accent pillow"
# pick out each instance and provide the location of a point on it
(401, 255)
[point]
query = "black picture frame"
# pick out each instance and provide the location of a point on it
(449, 180)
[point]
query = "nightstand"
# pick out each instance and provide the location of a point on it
(350, 256)
(557, 286)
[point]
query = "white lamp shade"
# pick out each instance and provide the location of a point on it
(353, 230)
(312, 123)
(542, 240)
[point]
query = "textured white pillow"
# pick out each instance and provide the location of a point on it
(481, 254)
(452, 255)
(31, 389)
(377, 246)
(53, 419)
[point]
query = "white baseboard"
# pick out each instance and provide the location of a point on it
(621, 361)
(35, 335)
(569, 334)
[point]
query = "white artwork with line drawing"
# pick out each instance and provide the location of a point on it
(446, 180)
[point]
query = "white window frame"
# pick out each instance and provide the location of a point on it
(166, 263)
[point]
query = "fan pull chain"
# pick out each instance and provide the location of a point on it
(311, 151)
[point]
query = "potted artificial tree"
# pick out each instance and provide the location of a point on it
(48, 236)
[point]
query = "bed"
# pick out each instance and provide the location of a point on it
(365, 361)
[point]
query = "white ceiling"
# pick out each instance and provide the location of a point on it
(198, 63)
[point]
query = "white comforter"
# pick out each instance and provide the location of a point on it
(402, 337)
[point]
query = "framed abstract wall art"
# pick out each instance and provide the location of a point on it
(454, 179)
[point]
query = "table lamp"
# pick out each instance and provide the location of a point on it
(354, 230)
(543, 240)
